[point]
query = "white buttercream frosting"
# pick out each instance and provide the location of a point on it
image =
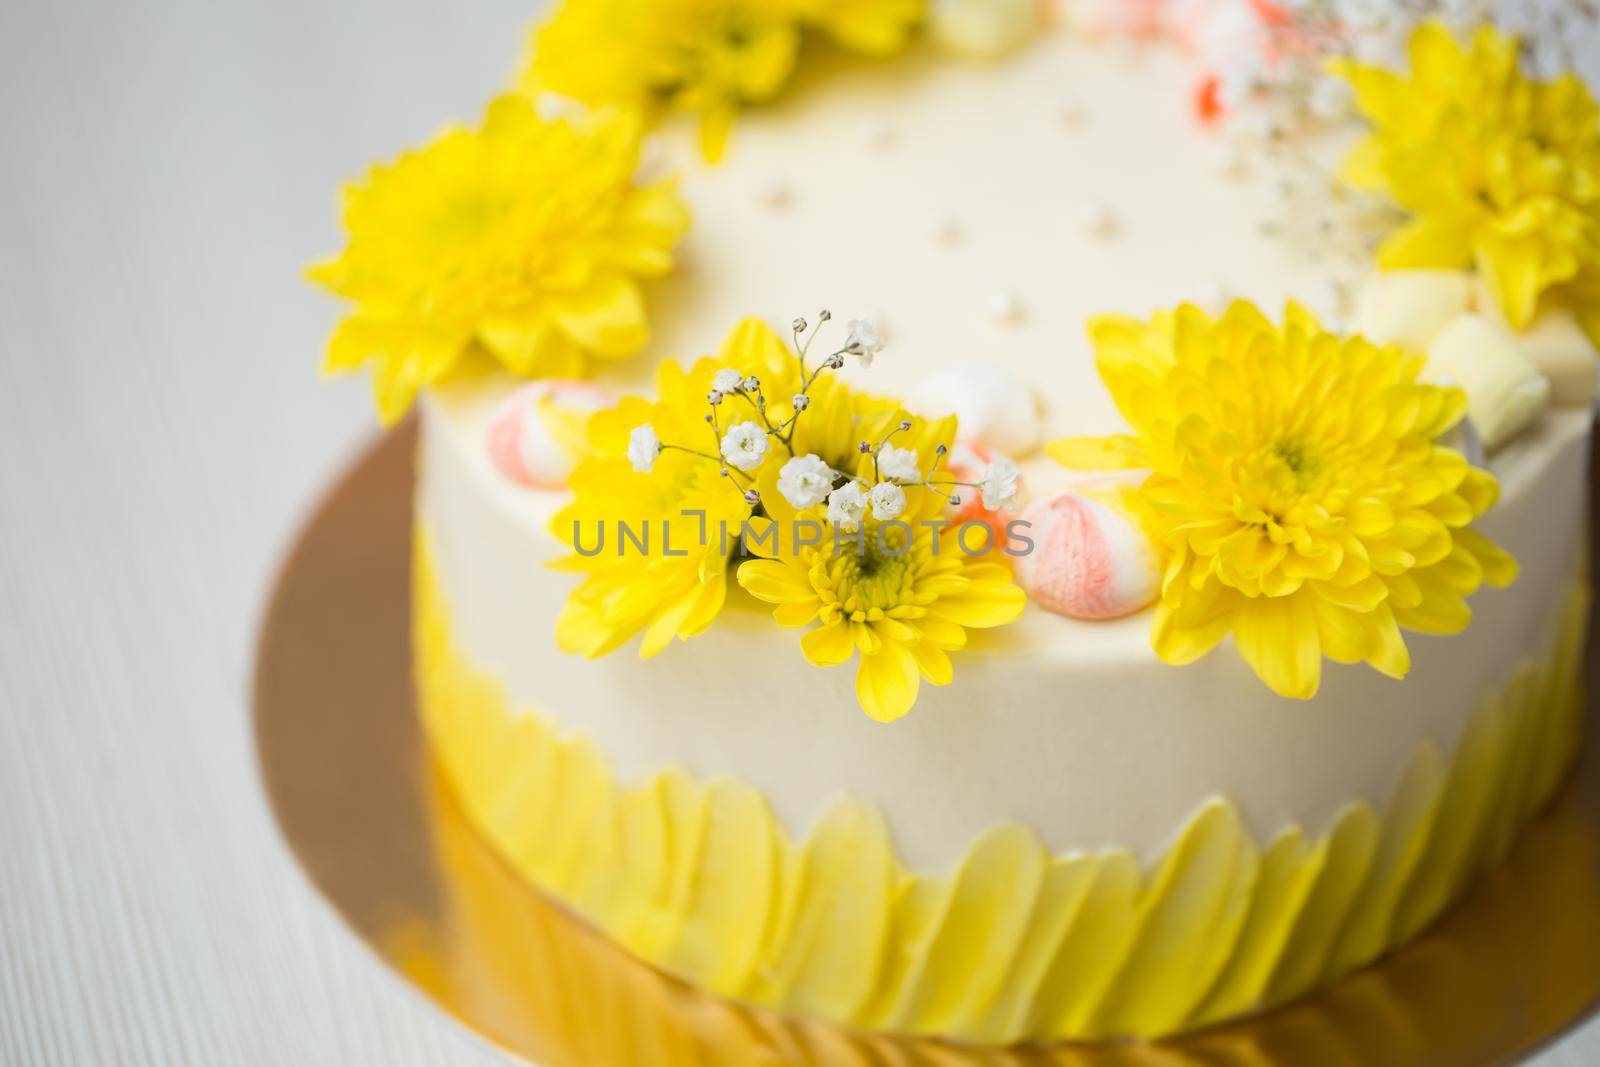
(1070, 727)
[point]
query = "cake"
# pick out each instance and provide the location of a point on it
(1157, 579)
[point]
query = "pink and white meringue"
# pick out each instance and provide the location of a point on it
(536, 434)
(1090, 559)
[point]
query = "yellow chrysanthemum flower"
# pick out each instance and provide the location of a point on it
(1499, 170)
(630, 587)
(1296, 488)
(761, 480)
(875, 27)
(520, 243)
(709, 57)
(900, 593)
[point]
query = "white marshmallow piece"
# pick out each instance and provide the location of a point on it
(1505, 390)
(535, 434)
(1563, 352)
(1090, 559)
(982, 29)
(992, 406)
(1410, 307)
(1556, 343)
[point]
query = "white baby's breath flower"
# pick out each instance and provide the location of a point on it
(999, 485)
(888, 501)
(846, 506)
(727, 381)
(643, 448)
(744, 445)
(863, 341)
(805, 480)
(899, 465)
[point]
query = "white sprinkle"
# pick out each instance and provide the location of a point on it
(1100, 221)
(879, 134)
(1006, 308)
(1071, 114)
(777, 195)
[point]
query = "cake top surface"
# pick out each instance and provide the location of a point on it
(986, 211)
(1286, 303)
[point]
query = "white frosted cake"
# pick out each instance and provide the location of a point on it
(1011, 749)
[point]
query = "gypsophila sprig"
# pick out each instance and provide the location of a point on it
(711, 451)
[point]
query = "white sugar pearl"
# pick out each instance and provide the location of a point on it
(879, 134)
(1100, 221)
(777, 195)
(1006, 308)
(948, 232)
(1071, 114)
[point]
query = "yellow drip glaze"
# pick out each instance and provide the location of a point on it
(702, 880)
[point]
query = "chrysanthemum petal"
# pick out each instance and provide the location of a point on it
(774, 581)
(829, 645)
(933, 662)
(605, 316)
(887, 682)
(1278, 638)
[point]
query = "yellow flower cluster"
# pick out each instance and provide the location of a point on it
(878, 576)
(1499, 170)
(707, 57)
(1296, 487)
(518, 244)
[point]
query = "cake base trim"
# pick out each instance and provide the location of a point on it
(702, 880)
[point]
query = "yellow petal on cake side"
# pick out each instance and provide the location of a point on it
(519, 243)
(1296, 491)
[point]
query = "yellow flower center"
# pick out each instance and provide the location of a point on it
(866, 580)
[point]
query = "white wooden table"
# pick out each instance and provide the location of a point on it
(166, 168)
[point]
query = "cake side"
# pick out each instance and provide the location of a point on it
(698, 877)
(1049, 720)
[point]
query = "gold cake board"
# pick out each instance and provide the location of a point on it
(373, 823)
